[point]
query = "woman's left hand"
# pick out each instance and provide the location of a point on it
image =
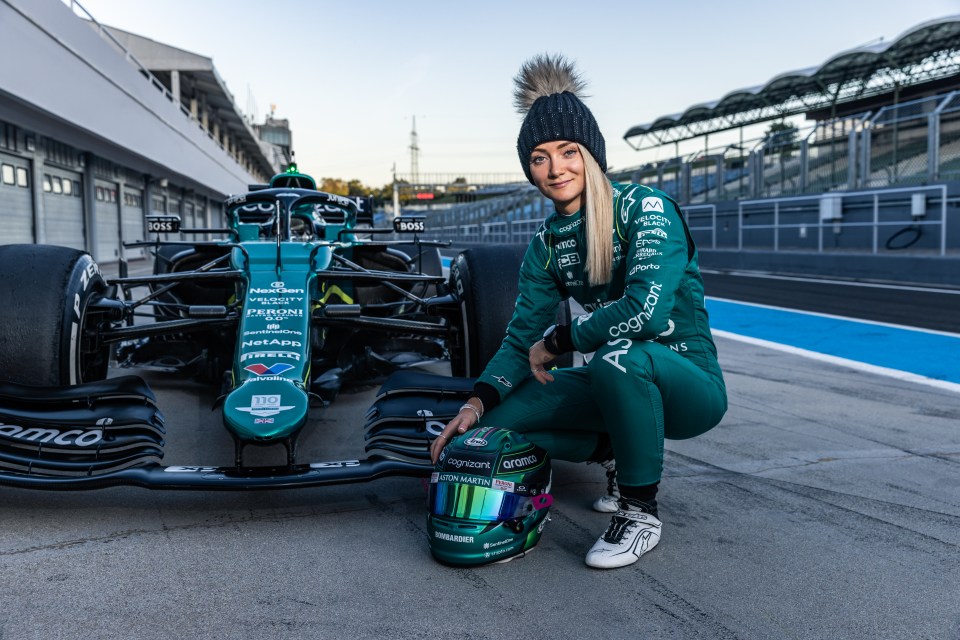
(539, 357)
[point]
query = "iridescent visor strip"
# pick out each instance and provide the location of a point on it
(471, 502)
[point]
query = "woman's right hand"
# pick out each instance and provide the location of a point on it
(539, 358)
(461, 423)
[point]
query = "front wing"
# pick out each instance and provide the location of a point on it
(111, 433)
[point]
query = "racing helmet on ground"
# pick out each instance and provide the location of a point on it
(488, 499)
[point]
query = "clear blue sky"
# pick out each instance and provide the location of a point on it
(349, 75)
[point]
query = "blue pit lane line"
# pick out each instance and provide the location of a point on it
(918, 355)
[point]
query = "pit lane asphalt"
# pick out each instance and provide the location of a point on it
(916, 305)
(825, 505)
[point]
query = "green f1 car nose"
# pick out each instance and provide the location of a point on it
(266, 411)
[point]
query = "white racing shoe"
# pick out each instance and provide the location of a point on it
(632, 532)
(607, 503)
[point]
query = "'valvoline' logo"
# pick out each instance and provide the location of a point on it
(273, 370)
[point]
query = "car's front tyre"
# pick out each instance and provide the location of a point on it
(44, 294)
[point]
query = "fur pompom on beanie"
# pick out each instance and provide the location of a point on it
(549, 90)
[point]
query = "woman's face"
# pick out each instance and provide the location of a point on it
(557, 171)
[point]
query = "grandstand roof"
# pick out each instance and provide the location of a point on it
(926, 52)
(200, 80)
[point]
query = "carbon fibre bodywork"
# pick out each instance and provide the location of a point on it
(57, 438)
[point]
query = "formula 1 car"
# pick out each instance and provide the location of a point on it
(298, 300)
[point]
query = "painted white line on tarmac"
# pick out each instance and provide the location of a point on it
(843, 362)
(846, 283)
(836, 317)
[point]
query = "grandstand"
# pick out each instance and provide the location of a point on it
(886, 101)
(860, 155)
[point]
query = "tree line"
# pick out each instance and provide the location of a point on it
(342, 187)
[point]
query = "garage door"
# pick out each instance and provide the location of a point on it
(189, 220)
(132, 220)
(15, 200)
(201, 214)
(107, 218)
(62, 208)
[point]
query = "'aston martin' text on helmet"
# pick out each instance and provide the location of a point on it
(489, 497)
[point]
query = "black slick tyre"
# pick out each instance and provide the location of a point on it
(44, 294)
(485, 281)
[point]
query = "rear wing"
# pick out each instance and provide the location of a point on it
(364, 209)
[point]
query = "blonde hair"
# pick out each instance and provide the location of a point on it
(598, 220)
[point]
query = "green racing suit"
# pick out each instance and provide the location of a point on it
(654, 370)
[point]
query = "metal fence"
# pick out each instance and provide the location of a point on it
(873, 221)
(919, 218)
(503, 218)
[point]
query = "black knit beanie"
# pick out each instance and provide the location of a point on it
(547, 90)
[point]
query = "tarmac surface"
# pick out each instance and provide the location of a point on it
(825, 505)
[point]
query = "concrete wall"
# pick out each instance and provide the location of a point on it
(60, 78)
(933, 270)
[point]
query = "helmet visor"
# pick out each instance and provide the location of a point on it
(471, 502)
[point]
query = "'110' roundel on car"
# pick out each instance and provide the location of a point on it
(263, 370)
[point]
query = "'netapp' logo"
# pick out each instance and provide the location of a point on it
(271, 343)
